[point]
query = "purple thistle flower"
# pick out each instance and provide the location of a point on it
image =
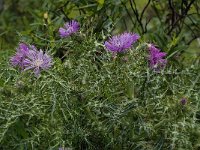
(119, 43)
(69, 28)
(37, 61)
(183, 101)
(18, 58)
(156, 59)
(23, 48)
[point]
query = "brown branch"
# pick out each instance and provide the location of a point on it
(135, 11)
(144, 10)
(128, 12)
(181, 17)
(194, 38)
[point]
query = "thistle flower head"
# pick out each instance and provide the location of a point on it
(69, 28)
(28, 57)
(183, 101)
(37, 61)
(17, 59)
(119, 43)
(23, 48)
(156, 60)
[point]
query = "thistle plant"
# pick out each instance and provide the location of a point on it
(90, 101)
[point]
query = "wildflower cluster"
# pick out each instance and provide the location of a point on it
(28, 57)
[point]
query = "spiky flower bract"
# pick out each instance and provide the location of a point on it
(69, 28)
(18, 58)
(183, 101)
(37, 61)
(156, 60)
(122, 42)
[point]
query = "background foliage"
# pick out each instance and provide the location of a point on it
(88, 100)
